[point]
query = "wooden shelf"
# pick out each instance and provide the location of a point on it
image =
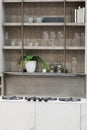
(43, 0)
(43, 24)
(12, 1)
(16, 1)
(75, 0)
(75, 48)
(12, 47)
(75, 24)
(12, 24)
(44, 47)
(45, 74)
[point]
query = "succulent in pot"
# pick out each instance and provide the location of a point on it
(29, 61)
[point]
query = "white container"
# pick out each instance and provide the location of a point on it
(44, 70)
(30, 66)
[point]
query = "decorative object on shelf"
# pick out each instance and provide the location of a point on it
(74, 65)
(30, 66)
(30, 58)
(6, 38)
(76, 39)
(13, 42)
(30, 19)
(60, 37)
(45, 38)
(52, 38)
(59, 68)
(82, 39)
(37, 20)
(53, 19)
(51, 67)
(44, 70)
(79, 15)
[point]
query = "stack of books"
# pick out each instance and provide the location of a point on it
(79, 15)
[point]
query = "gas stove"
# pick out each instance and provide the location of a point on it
(41, 99)
(12, 97)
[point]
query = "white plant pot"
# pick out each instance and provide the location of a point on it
(30, 66)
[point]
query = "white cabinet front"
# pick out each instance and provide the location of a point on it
(16, 116)
(56, 116)
(84, 116)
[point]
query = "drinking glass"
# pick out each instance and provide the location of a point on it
(60, 38)
(45, 37)
(52, 38)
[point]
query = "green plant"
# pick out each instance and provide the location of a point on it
(29, 57)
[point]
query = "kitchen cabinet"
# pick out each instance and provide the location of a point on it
(58, 116)
(16, 115)
(83, 116)
(45, 28)
(29, 115)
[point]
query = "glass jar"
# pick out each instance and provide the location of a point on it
(60, 38)
(45, 38)
(76, 39)
(82, 39)
(52, 38)
(6, 39)
(74, 65)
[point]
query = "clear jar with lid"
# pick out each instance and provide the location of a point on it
(76, 39)
(60, 38)
(45, 37)
(74, 65)
(82, 39)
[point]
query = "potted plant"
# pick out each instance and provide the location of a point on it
(29, 62)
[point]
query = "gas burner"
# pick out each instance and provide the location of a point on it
(12, 97)
(70, 99)
(40, 99)
(45, 99)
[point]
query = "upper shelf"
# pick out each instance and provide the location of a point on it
(11, 1)
(16, 1)
(75, 24)
(43, 0)
(12, 47)
(12, 24)
(75, 0)
(44, 47)
(43, 24)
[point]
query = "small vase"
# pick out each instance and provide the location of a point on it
(30, 66)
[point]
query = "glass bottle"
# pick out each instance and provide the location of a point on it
(52, 38)
(76, 39)
(6, 39)
(82, 39)
(74, 65)
(60, 38)
(45, 38)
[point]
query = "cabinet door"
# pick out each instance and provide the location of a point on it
(55, 116)
(84, 117)
(16, 116)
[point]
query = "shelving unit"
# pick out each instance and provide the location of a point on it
(27, 37)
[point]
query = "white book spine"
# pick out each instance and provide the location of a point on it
(79, 15)
(75, 15)
(83, 14)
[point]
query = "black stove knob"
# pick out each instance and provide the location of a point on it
(34, 99)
